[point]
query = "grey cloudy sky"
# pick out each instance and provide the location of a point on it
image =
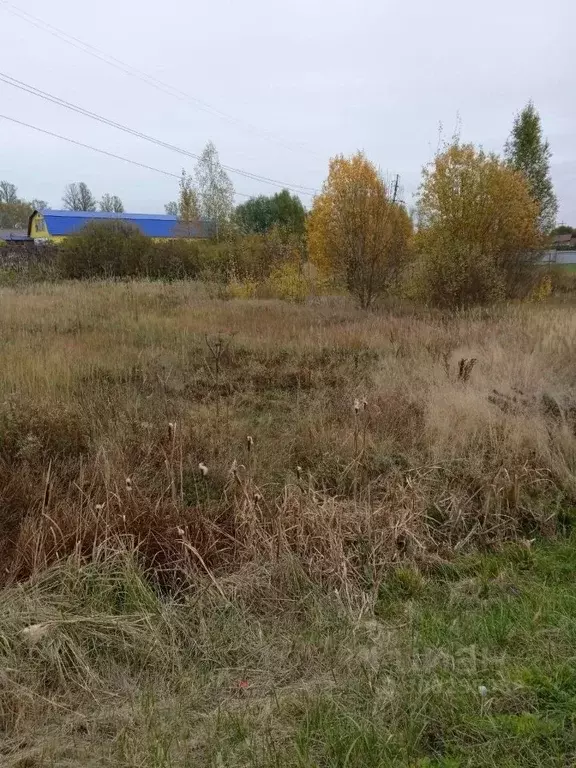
(313, 78)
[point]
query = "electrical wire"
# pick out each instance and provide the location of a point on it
(97, 149)
(139, 74)
(26, 87)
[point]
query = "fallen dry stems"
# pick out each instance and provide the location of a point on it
(351, 440)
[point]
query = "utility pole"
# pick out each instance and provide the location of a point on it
(396, 187)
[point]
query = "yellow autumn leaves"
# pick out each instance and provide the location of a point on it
(476, 238)
(355, 231)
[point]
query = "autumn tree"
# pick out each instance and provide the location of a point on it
(527, 151)
(214, 188)
(78, 197)
(478, 234)
(111, 204)
(188, 208)
(356, 232)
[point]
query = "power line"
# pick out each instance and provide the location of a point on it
(97, 149)
(21, 85)
(139, 74)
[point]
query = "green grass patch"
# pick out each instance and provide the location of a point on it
(469, 663)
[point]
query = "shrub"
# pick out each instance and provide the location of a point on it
(542, 289)
(287, 282)
(241, 289)
(24, 263)
(249, 258)
(478, 239)
(106, 249)
(174, 259)
(119, 249)
(563, 279)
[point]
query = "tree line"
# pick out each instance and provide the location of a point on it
(480, 222)
(478, 228)
(14, 210)
(206, 193)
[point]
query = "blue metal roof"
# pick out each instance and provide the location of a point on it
(152, 224)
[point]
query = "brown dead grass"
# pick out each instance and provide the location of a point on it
(91, 375)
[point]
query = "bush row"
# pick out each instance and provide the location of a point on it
(117, 249)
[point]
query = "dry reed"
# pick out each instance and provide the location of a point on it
(91, 374)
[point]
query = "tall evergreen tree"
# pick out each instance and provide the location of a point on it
(528, 151)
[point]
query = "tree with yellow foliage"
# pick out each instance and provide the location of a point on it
(356, 233)
(478, 236)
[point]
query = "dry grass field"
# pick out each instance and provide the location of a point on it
(255, 533)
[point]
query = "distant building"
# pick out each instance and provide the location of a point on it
(13, 235)
(50, 225)
(563, 241)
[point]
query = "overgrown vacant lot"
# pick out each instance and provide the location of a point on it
(260, 534)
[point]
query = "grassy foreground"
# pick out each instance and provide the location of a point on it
(251, 533)
(466, 664)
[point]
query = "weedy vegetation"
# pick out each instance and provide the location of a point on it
(261, 533)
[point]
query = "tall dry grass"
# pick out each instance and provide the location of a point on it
(120, 428)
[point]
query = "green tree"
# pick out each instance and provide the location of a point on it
(215, 190)
(78, 197)
(527, 151)
(282, 210)
(255, 215)
(111, 204)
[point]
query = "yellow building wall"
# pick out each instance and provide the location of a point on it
(38, 228)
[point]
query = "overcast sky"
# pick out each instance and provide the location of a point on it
(298, 81)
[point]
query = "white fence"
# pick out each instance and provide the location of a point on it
(559, 257)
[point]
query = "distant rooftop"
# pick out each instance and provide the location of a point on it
(61, 223)
(13, 234)
(107, 215)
